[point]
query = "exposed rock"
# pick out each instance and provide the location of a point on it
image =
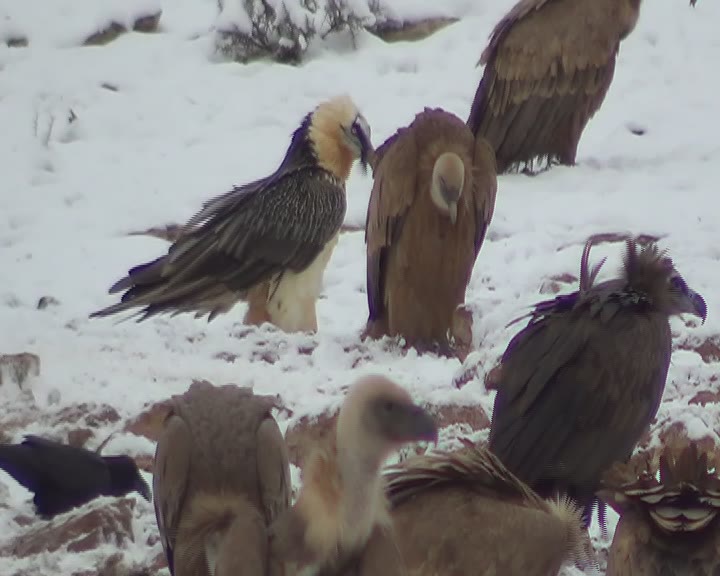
(150, 422)
(708, 349)
(706, 396)
(147, 23)
(18, 369)
(77, 531)
(452, 414)
(493, 377)
(16, 42)
(554, 284)
(92, 415)
(46, 301)
(79, 437)
(394, 31)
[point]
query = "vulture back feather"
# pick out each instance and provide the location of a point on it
(221, 470)
(463, 512)
(548, 67)
(580, 384)
(669, 506)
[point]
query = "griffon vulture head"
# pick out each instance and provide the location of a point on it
(448, 178)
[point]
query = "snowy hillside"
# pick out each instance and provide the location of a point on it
(100, 141)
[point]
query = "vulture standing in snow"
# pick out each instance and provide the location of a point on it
(581, 383)
(548, 67)
(267, 242)
(63, 477)
(464, 513)
(342, 503)
(221, 476)
(669, 514)
(432, 201)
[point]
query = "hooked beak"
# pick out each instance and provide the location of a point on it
(452, 209)
(419, 426)
(697, 305)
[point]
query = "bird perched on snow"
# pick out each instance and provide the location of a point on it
(548, 67)
(581, 383)
(463, 512)
(430, 206)
(669, 513)
(268, 241)
(342, 502)
(63, 477)
(221, 476)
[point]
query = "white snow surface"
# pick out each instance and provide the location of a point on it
(98, 142)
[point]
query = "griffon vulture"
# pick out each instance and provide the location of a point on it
(548, 67)
(342, 502)
(581, 383)
(63, 477)
(669, 511)
(268, 241)
(463, 512)
(431, 203)
(221, 476)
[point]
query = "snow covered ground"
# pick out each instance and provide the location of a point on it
(96, 142)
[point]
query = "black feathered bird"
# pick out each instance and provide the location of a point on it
(581, 383)
(63, 477)
(267, 242)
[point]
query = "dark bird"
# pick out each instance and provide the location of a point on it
(669, 508)
(221, 476)
(432, 201)
(548, 67)
(342, 503)
(456, 512)
(267, 242)
(63, 477)
(581, 383)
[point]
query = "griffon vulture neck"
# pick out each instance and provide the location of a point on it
(343, 495)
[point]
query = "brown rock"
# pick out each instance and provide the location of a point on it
(79, 437)
(18, 368)
(708, 349)
(147, 23)
(93, 415)
(705, 397)
(493, 377)
(394, 31)
(150, 422)
(145, 462)
(554, 284)
(78, 532)
(451, 414)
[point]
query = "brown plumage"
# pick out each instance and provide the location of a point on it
(456, 512)
(342, 502)
(669, 513)
(268, 241)
(581, 383)
(432, 200)
(548, 67)
(221, 476)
